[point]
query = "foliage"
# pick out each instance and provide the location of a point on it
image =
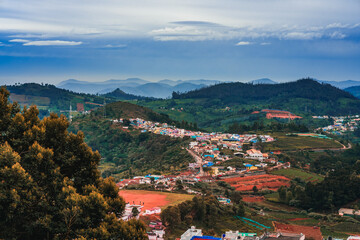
(274, 126)
(51, 188)
(132, 153)
(231, 93)
(203, 210)
(217, 107)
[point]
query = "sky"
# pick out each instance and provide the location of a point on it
(233, 40)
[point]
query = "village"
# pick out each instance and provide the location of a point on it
(206, 149)
(341, 125)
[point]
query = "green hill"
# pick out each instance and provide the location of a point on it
(216, 107)
(128, 152)
(49, 98)
(326, 98)
(121, 95)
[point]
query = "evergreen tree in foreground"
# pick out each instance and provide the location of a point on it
(50, 187)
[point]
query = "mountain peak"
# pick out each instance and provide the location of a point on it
(263, 81)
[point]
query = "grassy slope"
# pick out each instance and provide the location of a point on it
(294, 172)
(293, 143)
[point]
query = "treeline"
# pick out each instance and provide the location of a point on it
(201, 210)
(274, 126)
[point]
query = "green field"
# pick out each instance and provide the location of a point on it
(294, 172)
(294, 143)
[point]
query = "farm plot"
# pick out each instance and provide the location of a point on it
(150, 199)
(262, 182)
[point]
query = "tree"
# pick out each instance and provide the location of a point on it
(171, 216)
(179, 185)
(255, 189)
(51, 187)
(135, 212)
(239, 209)
(236, 197)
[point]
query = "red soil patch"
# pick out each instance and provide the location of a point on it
(309, 232)
(262, 182)
(297, 219)
(251, 198)
(148, 200)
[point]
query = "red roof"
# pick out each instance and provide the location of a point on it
(309, 232)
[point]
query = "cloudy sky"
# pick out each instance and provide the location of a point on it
(53, 40)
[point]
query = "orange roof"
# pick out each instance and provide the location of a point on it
(309, 232)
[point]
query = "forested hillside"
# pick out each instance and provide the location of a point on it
(319, 98)
(126, 151)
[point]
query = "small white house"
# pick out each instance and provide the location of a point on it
(154, 210)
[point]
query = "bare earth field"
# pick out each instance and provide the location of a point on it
(262, 182)
(152, 199)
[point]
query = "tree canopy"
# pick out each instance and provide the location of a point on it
(50, 187)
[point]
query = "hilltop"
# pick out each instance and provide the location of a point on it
(127, 151)
(216, 107)
(129, 110)
(121, 95)
(50, 98)
(319, 98)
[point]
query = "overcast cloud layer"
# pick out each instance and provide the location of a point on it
(268, 31)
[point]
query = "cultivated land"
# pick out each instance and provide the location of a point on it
(262, 182)
(152, 199)
(294, 172)
(294, 143)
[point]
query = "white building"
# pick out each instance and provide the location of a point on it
(156, 235)
(127, 215)
(191, 232)
(255, 154)
(154, 210)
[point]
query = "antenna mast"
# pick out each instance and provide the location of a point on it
(104, 107)
(70, 113)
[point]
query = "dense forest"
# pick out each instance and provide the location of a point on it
(203, 211)
(51, 187)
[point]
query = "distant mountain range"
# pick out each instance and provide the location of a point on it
(342, 84)
(164, 88)
(136, 86)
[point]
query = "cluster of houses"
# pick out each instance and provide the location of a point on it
(280, 233)
(342, 125)
(206, 147)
